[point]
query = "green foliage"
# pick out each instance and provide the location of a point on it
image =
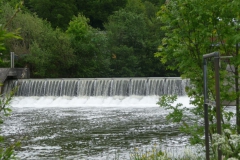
(183, 116)
(229, 143)
(126, 32)
(52, 58)
(83, 51)
(155, 2)
(58, 13)
(99, 11)
(193, 28)
(46, 51)
(89, 44)
(6, 151)
(166, 102)
(134, 35)
(79, 27)
(4, 34)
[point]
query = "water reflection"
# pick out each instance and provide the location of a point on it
(88, 133)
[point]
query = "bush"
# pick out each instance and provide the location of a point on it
(229, 143)
(6, 151)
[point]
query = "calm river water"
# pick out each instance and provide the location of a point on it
(73, 128)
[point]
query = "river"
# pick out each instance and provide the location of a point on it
(90, 128)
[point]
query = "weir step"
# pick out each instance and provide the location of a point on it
(107, 87)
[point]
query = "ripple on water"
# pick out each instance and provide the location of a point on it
(92, 133)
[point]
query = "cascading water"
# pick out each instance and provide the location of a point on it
(99, 87)
(91, 118)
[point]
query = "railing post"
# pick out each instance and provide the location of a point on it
(216, 57)
(206, 108)
(12, 59)
(218, 107)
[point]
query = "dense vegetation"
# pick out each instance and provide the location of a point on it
(192, 29)
(86, 38)
(6, 148)
(115, 38)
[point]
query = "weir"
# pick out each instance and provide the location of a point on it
(144, 86)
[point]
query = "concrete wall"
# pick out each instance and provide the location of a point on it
(13, 73)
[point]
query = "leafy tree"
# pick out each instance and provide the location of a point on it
(155, 2)
(193, 28)
(89, 44)
(6, 151)
(134, 35)
(99, 11)
(6, 35)
(150, 65)
(126, 31)
(229, 144)
(46, 51)
(53, 58)
(58, 13)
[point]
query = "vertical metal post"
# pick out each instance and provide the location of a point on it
(218, 108)
(206, 109)
(12, 59)
(237, 90)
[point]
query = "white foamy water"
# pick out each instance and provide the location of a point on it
(86, 101)
(91, 128)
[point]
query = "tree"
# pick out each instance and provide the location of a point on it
(134, 35)
(46, 51)
(58, 13)
(99, 11)
(126, 31)
(4, 34)
(89, 44)
(6, 151)
(193, 28)
(150, 64)
(53, 58)
(155, 2)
